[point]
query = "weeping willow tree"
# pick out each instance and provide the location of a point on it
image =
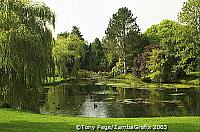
(25, 51)
(67, 54)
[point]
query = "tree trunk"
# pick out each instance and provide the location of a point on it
(124, 65)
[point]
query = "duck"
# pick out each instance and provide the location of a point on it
(58, 107)
(95, 105)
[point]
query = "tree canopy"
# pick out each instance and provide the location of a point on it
(178, 54)
(121, 28)
(67, 53)
(190, 14)
(25, 50)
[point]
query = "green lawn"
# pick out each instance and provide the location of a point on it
(16, 121)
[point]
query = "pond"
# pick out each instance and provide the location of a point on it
(109, 101)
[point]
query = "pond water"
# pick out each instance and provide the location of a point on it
(109, 101)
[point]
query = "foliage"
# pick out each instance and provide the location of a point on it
(123, 33)
(159, 67)
(110, 54)
(76, 31)
(151, 34)
(190, 16)
(140, 62)
(67, 53)
(135, 45)
(96, 56)
(63, 34)
(84, 74)
(192, 77)
(167, 34)
(118, 69)
(25, 51)
(180, 51)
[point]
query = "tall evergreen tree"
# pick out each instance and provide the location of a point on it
(76, 31)
(121, 29)
(97, 59)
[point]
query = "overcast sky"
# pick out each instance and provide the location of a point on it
(92, 16)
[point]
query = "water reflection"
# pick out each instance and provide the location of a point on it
(103, 101)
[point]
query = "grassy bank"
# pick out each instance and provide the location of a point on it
(129, 81)
(16, 121)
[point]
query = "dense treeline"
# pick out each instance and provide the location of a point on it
(163, 53)
(178, 47)
(122, 42)
(29, 55)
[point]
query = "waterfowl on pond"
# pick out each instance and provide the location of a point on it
(95, 106)
(58, 107)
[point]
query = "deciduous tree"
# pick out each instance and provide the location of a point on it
(25, 51)
(67, 54)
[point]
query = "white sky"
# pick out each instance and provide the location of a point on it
(92, 16)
